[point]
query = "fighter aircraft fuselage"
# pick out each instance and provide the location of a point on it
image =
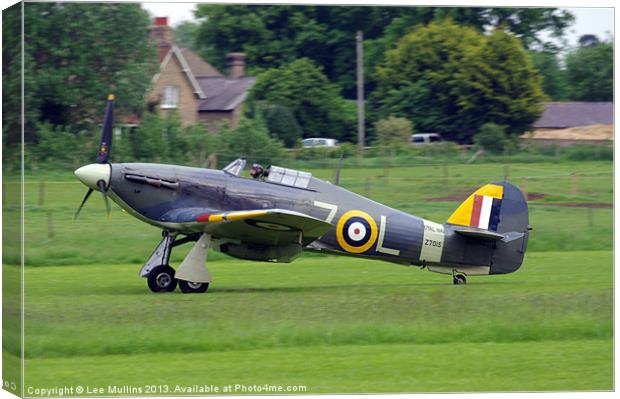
(375, 230)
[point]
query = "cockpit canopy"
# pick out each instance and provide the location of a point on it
(288, 177)
(274, 174)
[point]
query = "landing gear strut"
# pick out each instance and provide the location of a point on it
(192, 276)
(459, 279)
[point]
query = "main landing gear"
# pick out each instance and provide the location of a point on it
(192, 275)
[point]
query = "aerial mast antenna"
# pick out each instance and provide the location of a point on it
(359, 38)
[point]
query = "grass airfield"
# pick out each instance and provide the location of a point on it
(342, 325)
(332, 324)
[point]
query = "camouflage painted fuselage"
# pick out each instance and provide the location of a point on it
(361, 227)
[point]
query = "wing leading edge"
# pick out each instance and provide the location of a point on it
(260, 226)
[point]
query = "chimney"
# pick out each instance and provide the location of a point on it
(236, 65)
(161, 34)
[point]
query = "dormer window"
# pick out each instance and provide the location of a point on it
(170, 97)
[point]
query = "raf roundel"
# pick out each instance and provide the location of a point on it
(356, 232)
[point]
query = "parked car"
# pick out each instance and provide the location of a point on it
(319, 142)
(425, 138)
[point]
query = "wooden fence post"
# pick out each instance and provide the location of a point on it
(524, 186)
(50, 225)
(41, 201)
(574, 182)
(506, 172)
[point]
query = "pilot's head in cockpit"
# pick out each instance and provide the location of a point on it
(257, 171)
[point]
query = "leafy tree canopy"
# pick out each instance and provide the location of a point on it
(185, 34)
(394, 132)
(77, 53)
(452, 79)
(272, 35)
(554, 81)
(280, 122)
(590, 72)
(316, 103)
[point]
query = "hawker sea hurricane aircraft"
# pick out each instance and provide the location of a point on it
(281, 212)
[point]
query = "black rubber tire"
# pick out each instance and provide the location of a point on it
(161, 279)
(188, 287)
(459, 279)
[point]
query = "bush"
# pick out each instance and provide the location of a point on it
(201, 143)
(589, 152)
(280, 122)
(159, 139)
(393, 132)
(251, 140)
(492, 138)
(60, 146)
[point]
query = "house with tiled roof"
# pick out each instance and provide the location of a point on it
(195, 89)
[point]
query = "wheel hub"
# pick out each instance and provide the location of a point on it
(194, 285)
(163, 280)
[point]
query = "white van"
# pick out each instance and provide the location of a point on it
(425, 138)
(319, 142)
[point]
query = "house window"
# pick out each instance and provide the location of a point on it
(170, 97)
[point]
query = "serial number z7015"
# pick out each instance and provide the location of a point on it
(432, 243)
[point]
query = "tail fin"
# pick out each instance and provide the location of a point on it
(481, 209)
(498, 207)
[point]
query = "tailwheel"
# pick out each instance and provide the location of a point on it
(459, 279)
(161, 279)
(188, 287)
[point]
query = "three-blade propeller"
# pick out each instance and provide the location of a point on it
(103, 155)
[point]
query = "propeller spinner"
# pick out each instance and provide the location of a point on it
(96, 176)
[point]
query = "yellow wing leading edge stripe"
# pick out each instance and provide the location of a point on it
(462, 215)
(230, 216)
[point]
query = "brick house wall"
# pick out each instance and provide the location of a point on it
(173, 75)
(214, 119)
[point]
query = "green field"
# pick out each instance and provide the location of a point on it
(331, 324)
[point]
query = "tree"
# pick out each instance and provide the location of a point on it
(275, 35)
(554, 82)
(507, 90)
(250, 139)
(77, 53)
(315, 102)
(492, 138)
(590, 72)
(527, 23)
(393, 131)
(280, 122)
(461, 79)
(185, 34)
(12, 83)
(588, 40)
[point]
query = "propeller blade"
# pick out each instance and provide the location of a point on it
(104, 193)
(77, 213)
(106, 132)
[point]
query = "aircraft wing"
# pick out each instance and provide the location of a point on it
(261, 226)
